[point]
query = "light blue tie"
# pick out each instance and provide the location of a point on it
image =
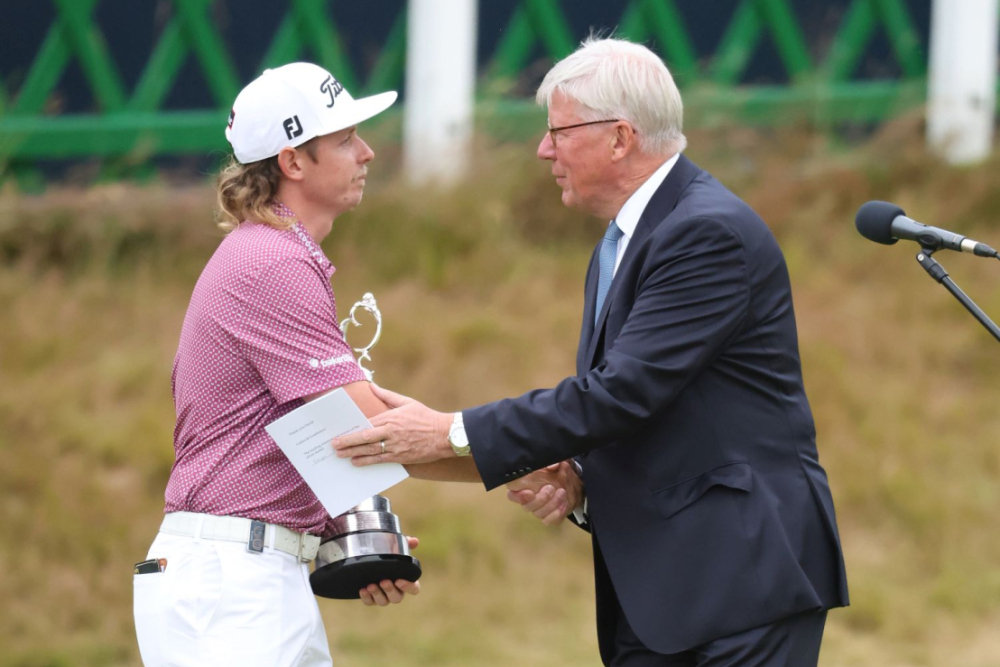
(609, 251)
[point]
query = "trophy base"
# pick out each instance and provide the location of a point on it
(342, 580)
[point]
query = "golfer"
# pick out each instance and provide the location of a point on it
(227, 577)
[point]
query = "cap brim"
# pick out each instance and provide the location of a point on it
(361, 110)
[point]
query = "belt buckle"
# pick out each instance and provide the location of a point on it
(255, 542)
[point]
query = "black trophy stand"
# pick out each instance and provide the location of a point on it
(344, 580)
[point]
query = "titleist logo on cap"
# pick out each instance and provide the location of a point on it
(333, 88)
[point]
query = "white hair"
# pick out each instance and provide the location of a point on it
(615, 78)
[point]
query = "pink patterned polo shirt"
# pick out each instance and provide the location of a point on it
(260, 333)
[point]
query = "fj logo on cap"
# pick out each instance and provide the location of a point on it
(232, 117)
(293, 128)
(333, 88)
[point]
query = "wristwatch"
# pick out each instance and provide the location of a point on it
(457, 438)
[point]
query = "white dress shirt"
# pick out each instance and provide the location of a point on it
(628, 218)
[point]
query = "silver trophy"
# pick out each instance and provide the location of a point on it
(367, 545)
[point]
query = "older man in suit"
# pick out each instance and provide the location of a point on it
(714, 535)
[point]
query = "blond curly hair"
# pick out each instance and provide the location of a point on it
(246, 192)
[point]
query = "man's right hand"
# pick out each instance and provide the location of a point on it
(550, 493)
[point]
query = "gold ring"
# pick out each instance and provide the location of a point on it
(383, 446)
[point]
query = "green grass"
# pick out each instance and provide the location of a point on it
(481, 288)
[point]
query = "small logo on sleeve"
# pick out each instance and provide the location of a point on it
(332, 361)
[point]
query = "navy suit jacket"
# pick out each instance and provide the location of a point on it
(705, 493)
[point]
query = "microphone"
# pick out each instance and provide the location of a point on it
(886, 223)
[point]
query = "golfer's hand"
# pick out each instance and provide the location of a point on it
(388, 592)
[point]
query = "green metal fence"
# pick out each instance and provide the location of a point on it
(132, 124)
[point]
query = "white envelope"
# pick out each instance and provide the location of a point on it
(304, 435)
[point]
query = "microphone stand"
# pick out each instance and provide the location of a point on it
(938, 273)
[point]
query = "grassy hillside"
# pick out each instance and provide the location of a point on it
(482, 293)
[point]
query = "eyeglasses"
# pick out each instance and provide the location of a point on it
(553, 130)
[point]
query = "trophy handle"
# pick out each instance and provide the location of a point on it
(368, 303)
(367, 545)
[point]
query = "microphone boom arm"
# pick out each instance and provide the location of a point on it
(938, 273)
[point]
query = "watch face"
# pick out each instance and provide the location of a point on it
(459, 440)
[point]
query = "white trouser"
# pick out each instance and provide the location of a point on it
(218, 604)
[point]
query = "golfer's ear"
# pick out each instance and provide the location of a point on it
(290, 163)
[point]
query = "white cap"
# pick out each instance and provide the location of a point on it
(289, 105)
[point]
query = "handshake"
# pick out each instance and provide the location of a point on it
(550, 493)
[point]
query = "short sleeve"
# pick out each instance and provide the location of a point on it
(289, 332)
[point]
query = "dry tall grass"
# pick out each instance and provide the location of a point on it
(482, 293)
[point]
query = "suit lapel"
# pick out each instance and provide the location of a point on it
(664, 201)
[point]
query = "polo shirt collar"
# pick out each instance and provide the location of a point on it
(303, 236)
